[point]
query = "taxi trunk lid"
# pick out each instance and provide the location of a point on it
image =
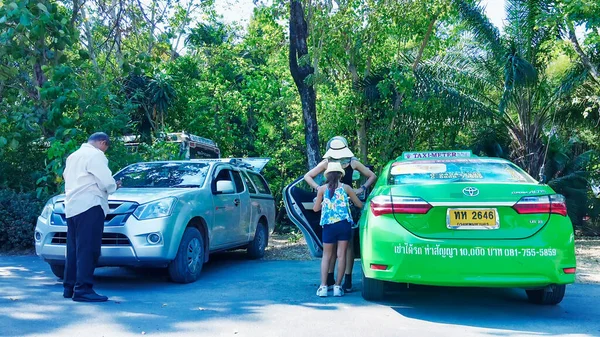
(471, 210)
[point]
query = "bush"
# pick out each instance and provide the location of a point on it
(18, 214)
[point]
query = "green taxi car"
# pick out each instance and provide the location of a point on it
(450, 218)
(455, 219)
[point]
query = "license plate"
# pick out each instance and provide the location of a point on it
(472, 218)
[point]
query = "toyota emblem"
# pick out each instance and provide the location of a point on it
(471, 191)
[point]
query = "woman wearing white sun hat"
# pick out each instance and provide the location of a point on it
(333, 202)
(338, 151)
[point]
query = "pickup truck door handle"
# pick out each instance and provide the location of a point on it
(236, 202)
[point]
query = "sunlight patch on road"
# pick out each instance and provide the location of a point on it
(10, 272)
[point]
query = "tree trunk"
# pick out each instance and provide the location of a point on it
(308, 97)
(181, 30)
(361, 118)
(362, 138)
(77, 5)
(115, 18)
(389, 148)
(90, 41)
(425, 41)
(582, 55)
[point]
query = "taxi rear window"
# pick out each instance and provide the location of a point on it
(431, 172)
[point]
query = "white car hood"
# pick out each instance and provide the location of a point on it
(141, 195)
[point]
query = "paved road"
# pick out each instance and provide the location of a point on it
(236, 297)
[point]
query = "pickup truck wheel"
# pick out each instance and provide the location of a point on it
(551, 296)
(58, 270)
(187, 265)
(256, 248)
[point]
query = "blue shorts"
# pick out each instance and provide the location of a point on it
(337, 231)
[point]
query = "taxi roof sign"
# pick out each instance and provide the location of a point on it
(436, 155)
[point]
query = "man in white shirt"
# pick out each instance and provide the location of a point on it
(88, 182)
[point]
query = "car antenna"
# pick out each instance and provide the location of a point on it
(542, 176)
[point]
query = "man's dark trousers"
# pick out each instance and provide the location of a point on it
(84, 240)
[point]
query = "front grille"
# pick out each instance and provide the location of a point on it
(108, 239)
(59, 238)
(119, 212)
(115, 239)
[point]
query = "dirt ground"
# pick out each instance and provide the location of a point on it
(588, 260)
(287, 247)
(293, 247)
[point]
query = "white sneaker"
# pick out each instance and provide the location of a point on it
(322, 291)
(338, 291)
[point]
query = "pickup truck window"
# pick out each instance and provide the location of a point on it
(239, 185)
(251, 188)
(260, 183)
(223, 175)
(162, 175)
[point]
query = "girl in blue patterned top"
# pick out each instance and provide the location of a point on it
(332, 201)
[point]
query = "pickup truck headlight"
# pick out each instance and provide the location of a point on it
(48, 209)
(155, 209)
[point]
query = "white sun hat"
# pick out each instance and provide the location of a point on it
(334, 167)
(338, 149)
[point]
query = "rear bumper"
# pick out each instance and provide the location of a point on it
(532, 262)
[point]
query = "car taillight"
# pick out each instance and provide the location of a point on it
(386, 204)
(555, 204)
(378, 266)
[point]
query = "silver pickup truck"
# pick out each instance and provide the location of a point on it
(173, 214)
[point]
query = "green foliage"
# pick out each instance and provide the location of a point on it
(389, 76)
(18, 213)
(568, 171)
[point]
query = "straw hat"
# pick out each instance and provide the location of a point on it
(334, 167)
(337, 148)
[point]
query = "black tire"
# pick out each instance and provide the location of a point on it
(551, 296)
(372, 289)
(58, 270)
(256, 248)
(188, 262)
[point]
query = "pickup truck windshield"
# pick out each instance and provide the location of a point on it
(163, 175)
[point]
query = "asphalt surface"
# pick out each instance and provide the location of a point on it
(236, 297)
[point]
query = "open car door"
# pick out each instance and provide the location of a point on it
(298, 198)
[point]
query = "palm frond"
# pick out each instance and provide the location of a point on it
(454, 94)
(369, 84)
(580, 163)
(573, 184)
(571, 81)
(473, 15)
(525, 29)
(462, 72)
(518, 73)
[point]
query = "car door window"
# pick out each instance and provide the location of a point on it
(251, 188)
(223, 175)
(260, 183)
(239, 185)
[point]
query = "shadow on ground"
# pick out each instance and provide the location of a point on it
(231, 287)
(236, 292)
(498, 309)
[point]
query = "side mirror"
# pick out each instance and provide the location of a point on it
(225, 187)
